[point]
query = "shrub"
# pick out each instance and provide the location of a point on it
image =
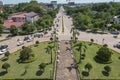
(119, 58)
(85, 73)
(105, 45)
(31, 59)
(107, 68)
(37, 42)
(105, 73)
(115, 36)
(42, 66)
(51, 39)
(83, 55)
(23, 47)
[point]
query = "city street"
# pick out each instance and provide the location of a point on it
(64, 35)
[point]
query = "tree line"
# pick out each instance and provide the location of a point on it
(95, 16)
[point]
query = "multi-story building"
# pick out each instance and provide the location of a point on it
(54, 3)
(1, 3)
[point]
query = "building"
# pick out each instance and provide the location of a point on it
(19, 19)
(31, 17)
(1, 6)
(116, 19)
(54, 3)
(72, 4)
(1, 3)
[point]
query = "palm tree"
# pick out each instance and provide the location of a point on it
(55, 33)
(80, 46)
(75, 33)
(49, 51)
(6, 66)
(88, 66)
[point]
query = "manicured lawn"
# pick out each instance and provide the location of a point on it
(96, 71)
(17, 70)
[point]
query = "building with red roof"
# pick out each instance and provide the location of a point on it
(19, 19)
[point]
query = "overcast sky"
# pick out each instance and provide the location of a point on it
(59, 1)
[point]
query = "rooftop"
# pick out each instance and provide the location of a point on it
(31, 14)
(9, 23)
(20, 14)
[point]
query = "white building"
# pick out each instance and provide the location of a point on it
(116, 19)
(1, 3)
(54, 3)
(31, 17)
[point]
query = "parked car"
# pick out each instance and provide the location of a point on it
(28, 39)
(20, 43)
(117, 45)
(3, 49)
(115, 32)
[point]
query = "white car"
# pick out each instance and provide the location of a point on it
(29, 40)
(3, 51)
(20, 43)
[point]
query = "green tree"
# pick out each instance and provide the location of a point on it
(1, 29)
(7, 54)
(75, 33)
(25, 53)
(103, 55)
(28, 28)
(6, 66)
(13, 30)
(80, 46)
(88, 66)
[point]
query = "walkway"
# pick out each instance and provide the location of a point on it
(65, 65)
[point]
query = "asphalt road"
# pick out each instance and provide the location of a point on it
(66, 35)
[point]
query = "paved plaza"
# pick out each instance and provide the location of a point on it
(65, 65)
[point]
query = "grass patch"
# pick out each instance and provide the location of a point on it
(30, 70)
(97, 71)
